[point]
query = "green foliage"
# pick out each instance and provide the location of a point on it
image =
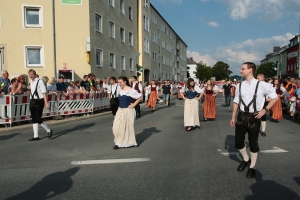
(203, 72)
(267, 69)
(221, 71)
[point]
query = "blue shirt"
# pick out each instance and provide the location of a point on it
(61, 87)
(6, 84)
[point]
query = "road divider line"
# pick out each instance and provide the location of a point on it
(109, 161)
(274, 150)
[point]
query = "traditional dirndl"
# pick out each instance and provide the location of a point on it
(123, 128)
(276, 110)
(152, 99)
(191, 113)
(209, 107)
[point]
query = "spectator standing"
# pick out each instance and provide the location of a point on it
(4, 79)
(85, 84)
(105, 84)
(15, 87)
(167, 91)
(51, 86)
(113, 93)
(24, 89)
(60, 85)
(227, 93)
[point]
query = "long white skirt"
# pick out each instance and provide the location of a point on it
(191, 112)
(123, 128)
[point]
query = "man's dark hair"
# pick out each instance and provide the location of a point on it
(13, 80)
(84, 76)
(113, 78)
(135, 78)
(251, 65)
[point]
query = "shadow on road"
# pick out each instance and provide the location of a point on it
(141, 137)
(297, 179)
(230, 146)
(7, 137)
(76, 128)
(50, 186)
(270, 190)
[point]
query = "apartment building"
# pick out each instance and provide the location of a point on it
(76, 37)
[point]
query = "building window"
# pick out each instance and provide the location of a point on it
(131, 64)
(112, 60)
(130, 13)
(99, 57)
(122, 35)
(98, 23)
(122, 7)
(111, 29)
(146, 23)
(34, 56)
(154, 56)
(111, 3)
(123, 63)
(146, 45)
(130, 39)
(33, 16)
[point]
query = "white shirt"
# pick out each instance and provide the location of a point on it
(105, 85)
(196, 89)
(112, 88)
(247, 93)
(132, 93)
(140, 86)
(41, 89)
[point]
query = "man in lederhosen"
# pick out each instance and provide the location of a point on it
(138, 87)
(250, 98)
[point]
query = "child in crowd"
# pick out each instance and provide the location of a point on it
(71, 88)
(293, 107)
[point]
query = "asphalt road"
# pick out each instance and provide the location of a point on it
(174, 164)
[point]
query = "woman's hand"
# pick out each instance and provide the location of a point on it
(131, 106)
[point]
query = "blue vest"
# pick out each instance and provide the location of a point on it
(125, 101)
(191, 94)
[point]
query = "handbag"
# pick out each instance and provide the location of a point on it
(114, 100)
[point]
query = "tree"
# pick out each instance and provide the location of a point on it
(266, 69)
(203, 72)
(221, 71)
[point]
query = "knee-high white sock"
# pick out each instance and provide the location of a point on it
(244, 154)
(45, 126)
(35, 130)
(253, 159)
(263, 126)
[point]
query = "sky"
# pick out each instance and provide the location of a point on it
(232, 31)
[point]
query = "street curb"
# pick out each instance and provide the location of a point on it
(54, 122)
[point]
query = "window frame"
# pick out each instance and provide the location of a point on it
(41, 18)
(124, 37)
(111, 3)
(101, 23)
(42, 56)
(130, 13)
(130, 36)
(131, 68)
(101, 57)
(114, 31)
(123, 67)
(123, 8)
(114, 60)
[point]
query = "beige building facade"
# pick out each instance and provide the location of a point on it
(106, 38)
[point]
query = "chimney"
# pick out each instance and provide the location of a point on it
(276, 49)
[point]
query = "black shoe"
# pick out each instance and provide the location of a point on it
(243, 165)
(204, 120)
(251, 173)
(116, 147)
(50, 134)
(263, 134)
(34, 139)
(153, 110)
(193, 127)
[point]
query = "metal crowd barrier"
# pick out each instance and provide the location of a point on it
(16, 108)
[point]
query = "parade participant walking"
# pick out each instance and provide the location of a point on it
(249, 98)
(146, 92)
(153, 88)
(138, 87)
(227, 93)
(209, 105)
(276, 111)
(123, 126)
(38, 100)
(191, 104)
(167, 91)
(113, 93)
(261, 77)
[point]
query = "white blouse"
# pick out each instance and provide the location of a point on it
(132, 93)
(196, 88)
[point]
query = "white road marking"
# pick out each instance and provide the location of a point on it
(274, 150)
(110, 161)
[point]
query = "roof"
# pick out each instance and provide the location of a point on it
(190, 61)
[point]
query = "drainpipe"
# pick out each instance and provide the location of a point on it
(54, 38)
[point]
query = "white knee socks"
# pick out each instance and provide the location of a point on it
(263, 126)
(46, 127)
(35, 130)
(253, 159)
(244, 154)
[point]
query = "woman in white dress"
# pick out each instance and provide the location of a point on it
(191, 104)
(123, 126)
